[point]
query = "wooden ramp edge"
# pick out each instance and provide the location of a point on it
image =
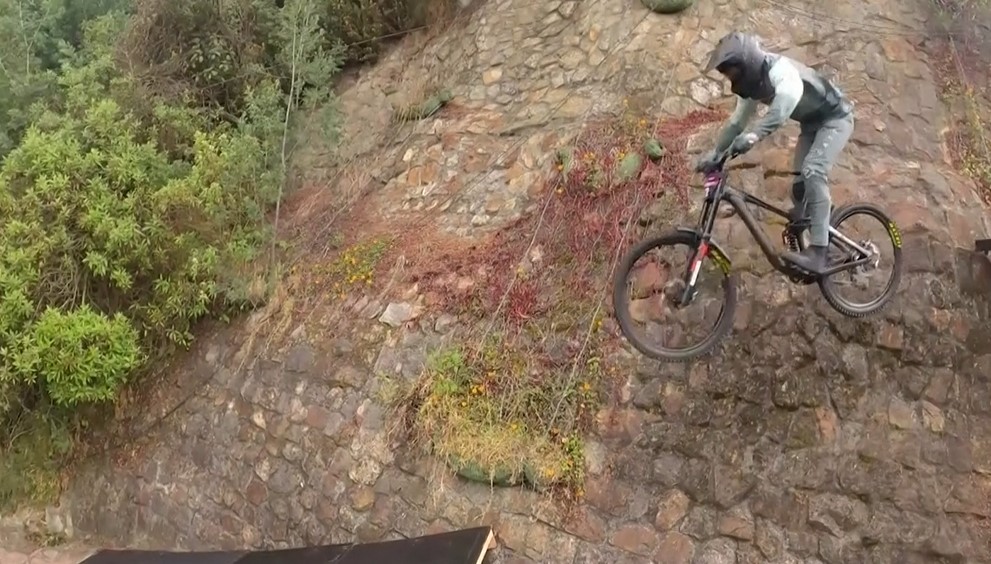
(490, 544)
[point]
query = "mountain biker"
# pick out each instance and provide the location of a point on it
(789, 89)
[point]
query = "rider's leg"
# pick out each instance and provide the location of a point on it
(829, 142)
(805, 139)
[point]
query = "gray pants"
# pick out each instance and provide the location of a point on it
(819, 145)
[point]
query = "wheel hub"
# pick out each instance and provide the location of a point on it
(860, 274)
(673, 292)
(874, 256)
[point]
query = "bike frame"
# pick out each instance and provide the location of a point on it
(718, 191)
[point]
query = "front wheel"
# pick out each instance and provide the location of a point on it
(884, 249)
(650, 294)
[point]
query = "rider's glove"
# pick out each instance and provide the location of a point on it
(707, 162)
(743, 143)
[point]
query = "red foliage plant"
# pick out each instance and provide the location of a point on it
(562, 254)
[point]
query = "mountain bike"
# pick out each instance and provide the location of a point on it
(846, 256)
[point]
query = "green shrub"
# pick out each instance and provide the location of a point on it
(81, 356)
(100, 214)
(129, 213)
(111, 244)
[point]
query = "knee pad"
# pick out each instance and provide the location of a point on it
(812, 175)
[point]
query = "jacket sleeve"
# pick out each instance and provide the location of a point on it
(788, 91)
(742, 115)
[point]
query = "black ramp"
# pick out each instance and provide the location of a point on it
(160, 557)
(458, 547)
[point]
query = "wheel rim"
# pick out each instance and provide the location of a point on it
(649, 291)
(865, 277)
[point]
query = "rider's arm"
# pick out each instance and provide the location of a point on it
(788, 91)
(744, 111)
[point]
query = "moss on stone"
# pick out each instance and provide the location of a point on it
(668, 6)
(653, 149)
(474, 471)
(629, 167)
(427, 108)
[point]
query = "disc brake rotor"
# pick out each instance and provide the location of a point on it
(859, 275)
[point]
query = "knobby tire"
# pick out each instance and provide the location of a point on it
(621, 303)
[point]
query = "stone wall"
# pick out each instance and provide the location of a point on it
(810, 438)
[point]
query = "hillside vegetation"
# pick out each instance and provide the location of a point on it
(143, 150)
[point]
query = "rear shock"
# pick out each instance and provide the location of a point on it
(790, 240)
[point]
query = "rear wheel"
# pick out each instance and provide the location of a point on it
(649, 293)
(883, 248)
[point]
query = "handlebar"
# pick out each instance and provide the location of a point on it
(719, 162)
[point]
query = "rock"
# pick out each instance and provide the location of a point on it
(770, 540)
(365, 472)
(371, 310)
(900, 414)
(703, 91)
(675, 548)
(362, 498)
(932, 417)
(585, 524)
(700, 523)
(730, 485)
(718, 551)
(828, 424)
(258, 418)
(835, 514)
(567, 8)
(491, 76)
(738, 526)
(263, 469)
(637, 539)
(891, 337)
(595, 458)
(673, 506)
(939, 386)
(397, 314)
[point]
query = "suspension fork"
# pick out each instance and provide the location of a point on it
(713, 195)
(692, 275)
